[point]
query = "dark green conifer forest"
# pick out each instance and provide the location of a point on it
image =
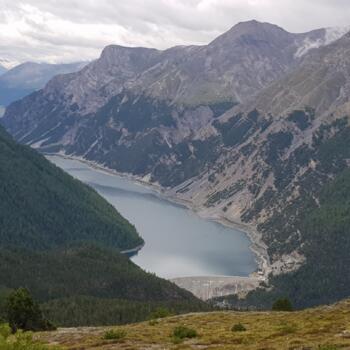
(62, 241)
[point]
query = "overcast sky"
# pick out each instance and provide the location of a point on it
(71, 30)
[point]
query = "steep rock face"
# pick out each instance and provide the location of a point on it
(91, 88)
(321, 81)
(278, 150)
(232, 68)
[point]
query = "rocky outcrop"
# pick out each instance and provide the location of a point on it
(229, 70)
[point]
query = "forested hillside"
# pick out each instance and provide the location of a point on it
(61, 240)
(324, 228)
(43, 207)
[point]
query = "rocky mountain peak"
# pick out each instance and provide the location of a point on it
(250, 31)
(127, 57)
(232, 69)
(321, 81)
(254, 26)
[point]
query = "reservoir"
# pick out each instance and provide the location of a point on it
(178, 243)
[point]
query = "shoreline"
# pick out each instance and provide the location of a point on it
(132, 251)
(258, 248)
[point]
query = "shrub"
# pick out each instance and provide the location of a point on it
(287, 328)
(24, 313)
(153, 322)
(238, 327)
(282, 304)
(5, 330)
(21, 341)
(182, 332)
(160, 312)
(116, 334)
(176, 340)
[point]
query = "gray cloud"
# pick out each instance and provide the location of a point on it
(70, 30)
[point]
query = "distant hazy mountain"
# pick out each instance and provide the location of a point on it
(28, 77)
(2, 69)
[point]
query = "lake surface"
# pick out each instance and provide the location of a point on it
(178, 243)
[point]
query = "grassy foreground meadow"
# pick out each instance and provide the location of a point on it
(322, 328)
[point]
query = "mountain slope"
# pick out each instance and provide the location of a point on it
(321, 81)
(216, 76)
(147, 106)
(28, 77)
(301, 204)
(42, 207)
(62, 241)
(323, 229)
(257, 163)
(324, 328)
(308, 113)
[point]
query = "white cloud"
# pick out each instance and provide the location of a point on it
(70, 30)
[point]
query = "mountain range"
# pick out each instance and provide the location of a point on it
(27, 77)
(252, 128)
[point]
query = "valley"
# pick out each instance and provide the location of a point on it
(248, 130)
(194, 196)
(62, 241)
(178, 243)
(175, 175)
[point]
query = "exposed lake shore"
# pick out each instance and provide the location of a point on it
(257, 246)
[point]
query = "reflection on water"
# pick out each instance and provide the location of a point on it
(177, 242)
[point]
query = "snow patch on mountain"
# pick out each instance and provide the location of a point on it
(335, 33)
(307, 45)
(330, 34)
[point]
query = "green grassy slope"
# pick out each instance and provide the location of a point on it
(323, 328)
